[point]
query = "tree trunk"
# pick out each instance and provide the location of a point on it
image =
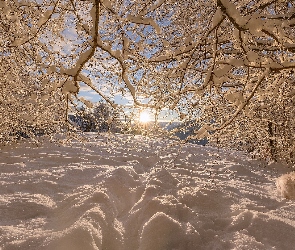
(271, 140)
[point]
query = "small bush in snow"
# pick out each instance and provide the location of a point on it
(286, 185)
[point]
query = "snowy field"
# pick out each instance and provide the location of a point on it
(135, 193)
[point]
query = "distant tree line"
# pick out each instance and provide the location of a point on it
(100, 118)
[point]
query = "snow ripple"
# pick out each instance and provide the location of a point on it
(132, 192)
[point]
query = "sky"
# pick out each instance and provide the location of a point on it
(127, 103)
(71, 42)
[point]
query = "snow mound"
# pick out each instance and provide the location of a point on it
(286, 185)
(132, 192)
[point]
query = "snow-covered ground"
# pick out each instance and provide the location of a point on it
(131, 192)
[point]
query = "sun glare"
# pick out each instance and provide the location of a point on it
(144, 117)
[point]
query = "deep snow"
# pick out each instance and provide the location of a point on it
(130, 192)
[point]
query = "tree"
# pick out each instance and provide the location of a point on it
(210, 61)
(27, 108)
(268, 132)
(100, 118)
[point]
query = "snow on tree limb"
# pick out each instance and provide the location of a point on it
(145, 21)
(89, 83)
(218, 62)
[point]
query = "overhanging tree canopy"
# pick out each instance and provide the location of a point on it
(218, 60)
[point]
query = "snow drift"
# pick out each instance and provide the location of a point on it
(131, 192)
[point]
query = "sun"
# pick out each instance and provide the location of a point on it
(144, 117)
